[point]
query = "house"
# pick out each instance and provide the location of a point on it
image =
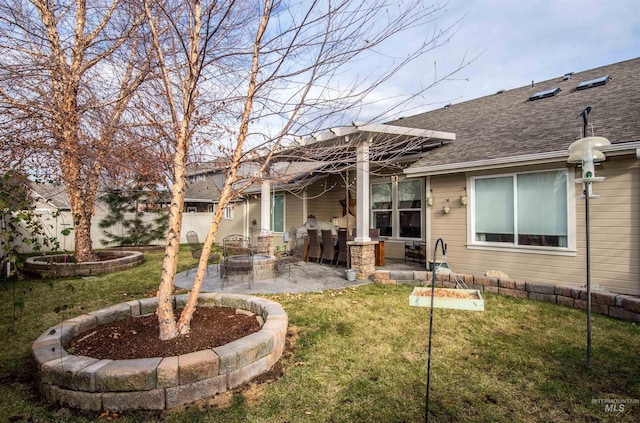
(500, 192)
(488, 176)
(204, 182)
(511, 152)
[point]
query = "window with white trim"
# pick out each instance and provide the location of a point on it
(522, 209)
(382, 208)
(277, 213)
(410, 208)
(399, 204)
(228, 213)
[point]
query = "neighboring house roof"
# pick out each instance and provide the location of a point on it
(53, 194)
(205, 191)
(507, 124)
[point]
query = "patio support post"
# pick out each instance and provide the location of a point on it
(362, 248)
(362, 191)
(265, 205)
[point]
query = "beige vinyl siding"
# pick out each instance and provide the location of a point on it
(614, 226)
(324, 197)
(452, 227)
(614, 230)
(294, 215)
(254, 212)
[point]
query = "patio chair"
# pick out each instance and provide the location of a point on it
(294, 256)
(235, 245)
(237, 258)
(328, 249)
(315, 250)
(343, 248)
(196, 251)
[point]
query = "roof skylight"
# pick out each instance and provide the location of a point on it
(593, 83)
(544, 94)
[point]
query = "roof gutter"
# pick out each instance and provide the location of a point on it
(503, 162)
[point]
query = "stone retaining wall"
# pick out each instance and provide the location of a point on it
(141, 248)
(618, 306)
(162, 382)
(62, 265)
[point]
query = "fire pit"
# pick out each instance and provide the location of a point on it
(241, 267)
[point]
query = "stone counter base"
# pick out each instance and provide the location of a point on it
(162, 382)
(618, 306)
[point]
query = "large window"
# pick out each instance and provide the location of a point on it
(382, 205)
(397, 204)
(410, 208)
(521, 209)
(277, 213)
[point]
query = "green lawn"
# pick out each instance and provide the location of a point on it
(360, 355)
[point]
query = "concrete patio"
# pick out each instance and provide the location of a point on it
(300, 277)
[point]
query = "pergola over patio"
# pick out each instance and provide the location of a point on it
(361, 146)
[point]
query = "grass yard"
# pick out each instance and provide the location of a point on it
(360, 355)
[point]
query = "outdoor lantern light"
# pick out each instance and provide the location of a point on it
(429, 201)
(446, 209)
(463, 197)
(586, 152)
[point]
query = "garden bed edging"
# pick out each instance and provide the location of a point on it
(162, 382)
(618, 306)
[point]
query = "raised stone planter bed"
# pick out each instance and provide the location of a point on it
(63, 265)
(141, 248)
(162, 382)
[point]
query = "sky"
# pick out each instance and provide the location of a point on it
(515, 42)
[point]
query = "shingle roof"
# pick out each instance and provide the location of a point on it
(508, 124)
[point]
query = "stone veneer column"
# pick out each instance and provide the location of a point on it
(363, 258)
(265, 244)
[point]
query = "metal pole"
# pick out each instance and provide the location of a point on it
(433, 286)
(586, 209)
(587, 192)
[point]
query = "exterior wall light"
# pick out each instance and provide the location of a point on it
(429, 201)
(463, 197)
(446, 209)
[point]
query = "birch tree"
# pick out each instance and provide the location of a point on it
(239, 77)
(68, 70)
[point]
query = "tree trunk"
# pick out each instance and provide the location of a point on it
(166, 317)
(83, 251)
(232, 176)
